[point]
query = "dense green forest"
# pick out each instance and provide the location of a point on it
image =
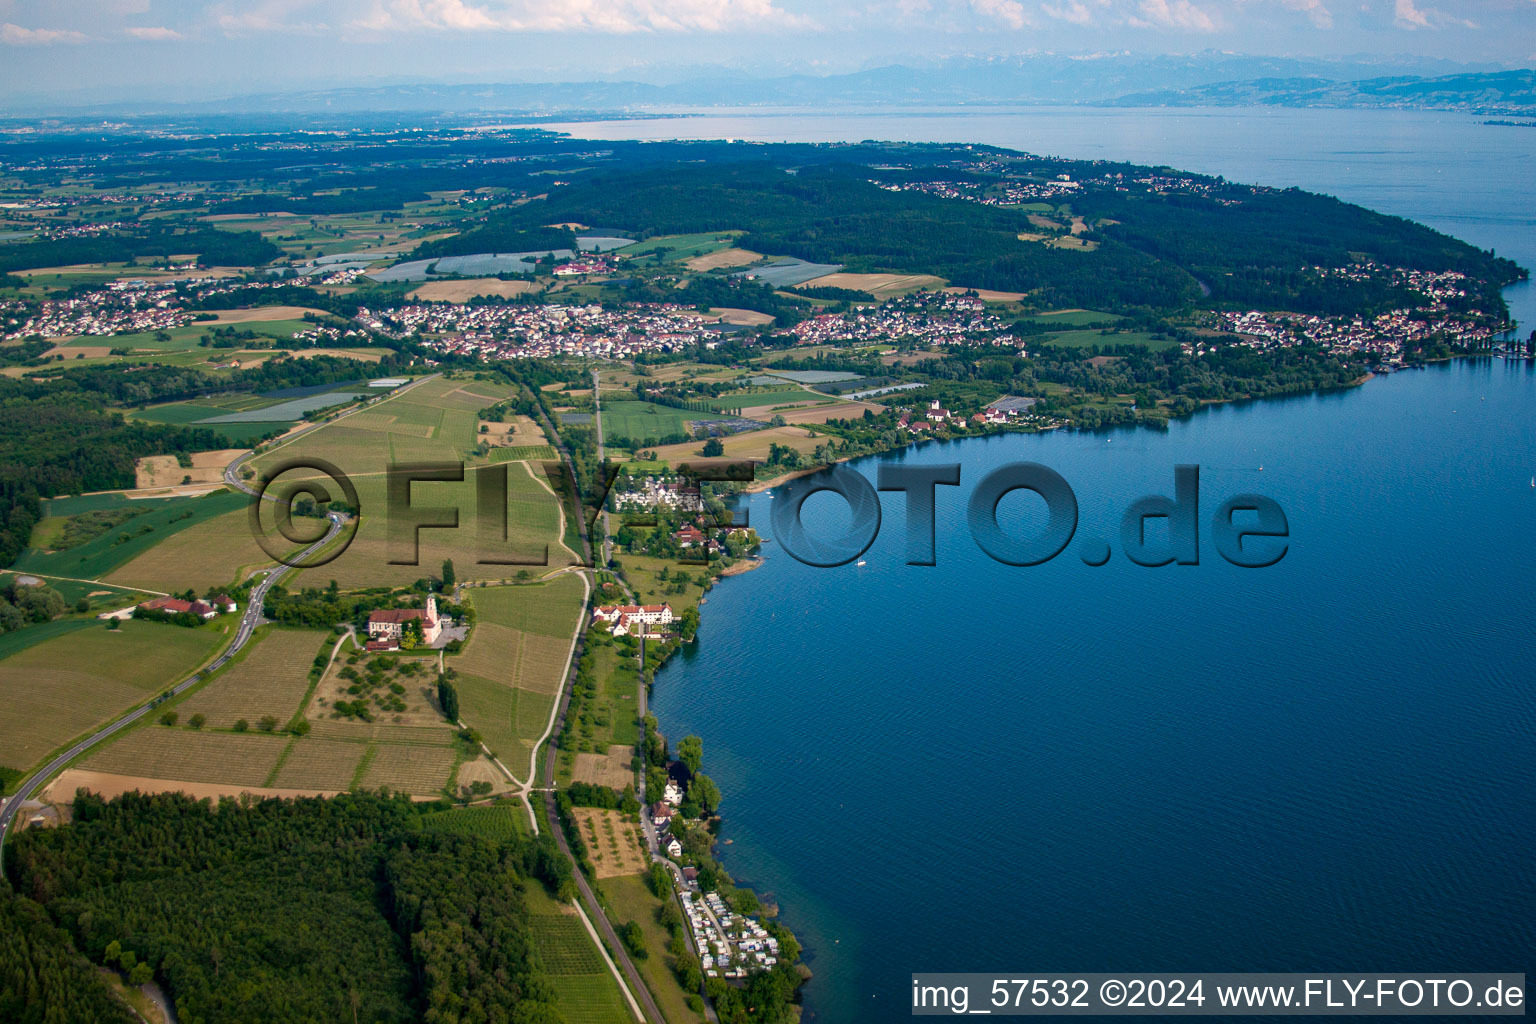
(1249, 253)
(280, 910)
(53, 443)
(148, 382)
(213, 247)
(43, 978)
(1247, 246)
(498, 236)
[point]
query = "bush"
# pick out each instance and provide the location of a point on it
(242, 725)
(168, 718)
(197, 721)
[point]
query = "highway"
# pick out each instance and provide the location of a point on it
(248, 623)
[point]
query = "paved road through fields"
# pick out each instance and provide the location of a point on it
(248, 623)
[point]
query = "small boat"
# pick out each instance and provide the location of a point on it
(1261, 467)
(860, 562)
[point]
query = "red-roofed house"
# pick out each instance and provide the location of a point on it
(176, 606)
(389, 625)
(652, 619)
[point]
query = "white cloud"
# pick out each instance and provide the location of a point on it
(1315, 11)
(1181, 14)
(1009, 12)
(1071, 10)
(1409, 16)
(611, 16)
(267, 16)
(15, 35)
(152, 33)
(1405, 14)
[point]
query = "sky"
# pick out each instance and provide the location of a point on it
(156, 49)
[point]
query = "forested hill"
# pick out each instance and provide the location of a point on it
(277, 910)
(1153, 235)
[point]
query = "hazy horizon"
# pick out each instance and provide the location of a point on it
(73, 51)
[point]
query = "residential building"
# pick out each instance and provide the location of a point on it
(389, 625)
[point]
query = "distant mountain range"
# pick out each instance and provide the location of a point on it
(1505, 92)
(1205, 79)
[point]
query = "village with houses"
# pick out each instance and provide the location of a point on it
(730, 945)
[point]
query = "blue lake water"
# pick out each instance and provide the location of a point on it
(1323, 765)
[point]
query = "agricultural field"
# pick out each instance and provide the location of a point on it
(75, 680)
(167, 471)
(832, 411)
(499, 821)
(1073, 318)
(615, 844)
(398, 692)
(588, 992)
(751, 445)
(212, 553)
(182, 754)
(610, 769)
(158, 521)
(722, 259)
(988, 294)
(1089, 338)
(640, 421)
(533, 518)
(464, 290)
(514, 664)
(523, 453)
(678, 248)
(319, 764)
(435, 421)
(757, 398)
(628, 899)
(519, 430)
(881, 286)
(604, 727)
(270, 676)
(413, 752)
(408, 768)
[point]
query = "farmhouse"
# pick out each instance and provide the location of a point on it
(176, 606)
(387, 627)
(650, 620)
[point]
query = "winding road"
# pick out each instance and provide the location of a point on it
(248, 623)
